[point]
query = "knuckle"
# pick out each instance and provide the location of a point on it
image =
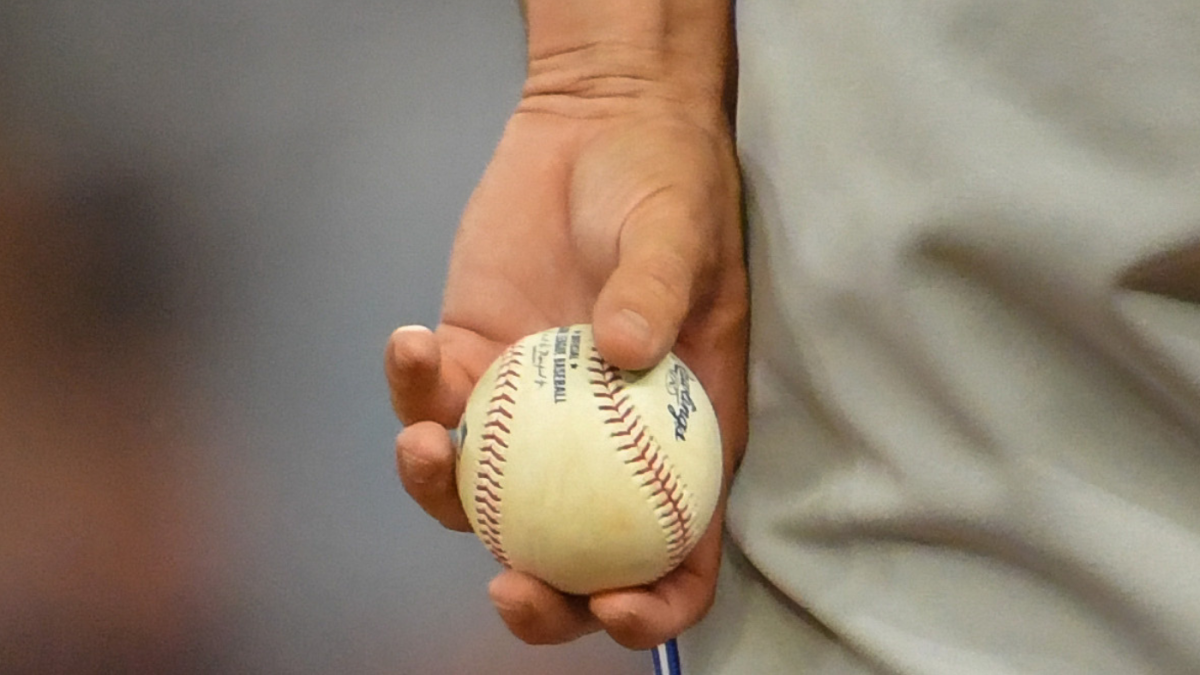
(426, 474)
(419, 474)
(404, 351)
(666, 280)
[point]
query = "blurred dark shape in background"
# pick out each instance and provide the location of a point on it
(104, 560)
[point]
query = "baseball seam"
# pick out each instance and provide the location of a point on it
(489, 477)
(650, 466)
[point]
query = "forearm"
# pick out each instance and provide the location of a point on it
(609, 50)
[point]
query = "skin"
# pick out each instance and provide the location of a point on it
(612, 198)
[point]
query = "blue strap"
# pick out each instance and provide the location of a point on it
(666, 659)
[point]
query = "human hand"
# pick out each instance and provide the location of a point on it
(626, 216)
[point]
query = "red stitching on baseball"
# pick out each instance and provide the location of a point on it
(494, 423)
(497, 439)
(489, 479)
(651, 469)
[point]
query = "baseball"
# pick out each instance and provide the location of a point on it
(586, 476)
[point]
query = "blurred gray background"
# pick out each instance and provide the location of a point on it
(214, 215)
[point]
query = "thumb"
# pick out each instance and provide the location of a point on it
(661, 259)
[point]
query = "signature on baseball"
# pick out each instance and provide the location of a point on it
(679, 388)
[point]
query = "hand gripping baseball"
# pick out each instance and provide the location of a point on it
(588, 477)
(629, 222)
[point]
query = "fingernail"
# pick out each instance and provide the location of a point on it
(413, 328)
(513, 610)
(635, 325)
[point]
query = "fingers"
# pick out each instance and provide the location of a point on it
(646, 617)
(638, 618)
(538, 614)
(423, 386)
(424, 401)
(425, 460)
(662, 259)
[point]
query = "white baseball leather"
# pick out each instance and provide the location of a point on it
(585, 476)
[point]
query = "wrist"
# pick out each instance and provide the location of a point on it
(596, 57)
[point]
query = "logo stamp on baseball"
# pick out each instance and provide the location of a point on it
(584, 475)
